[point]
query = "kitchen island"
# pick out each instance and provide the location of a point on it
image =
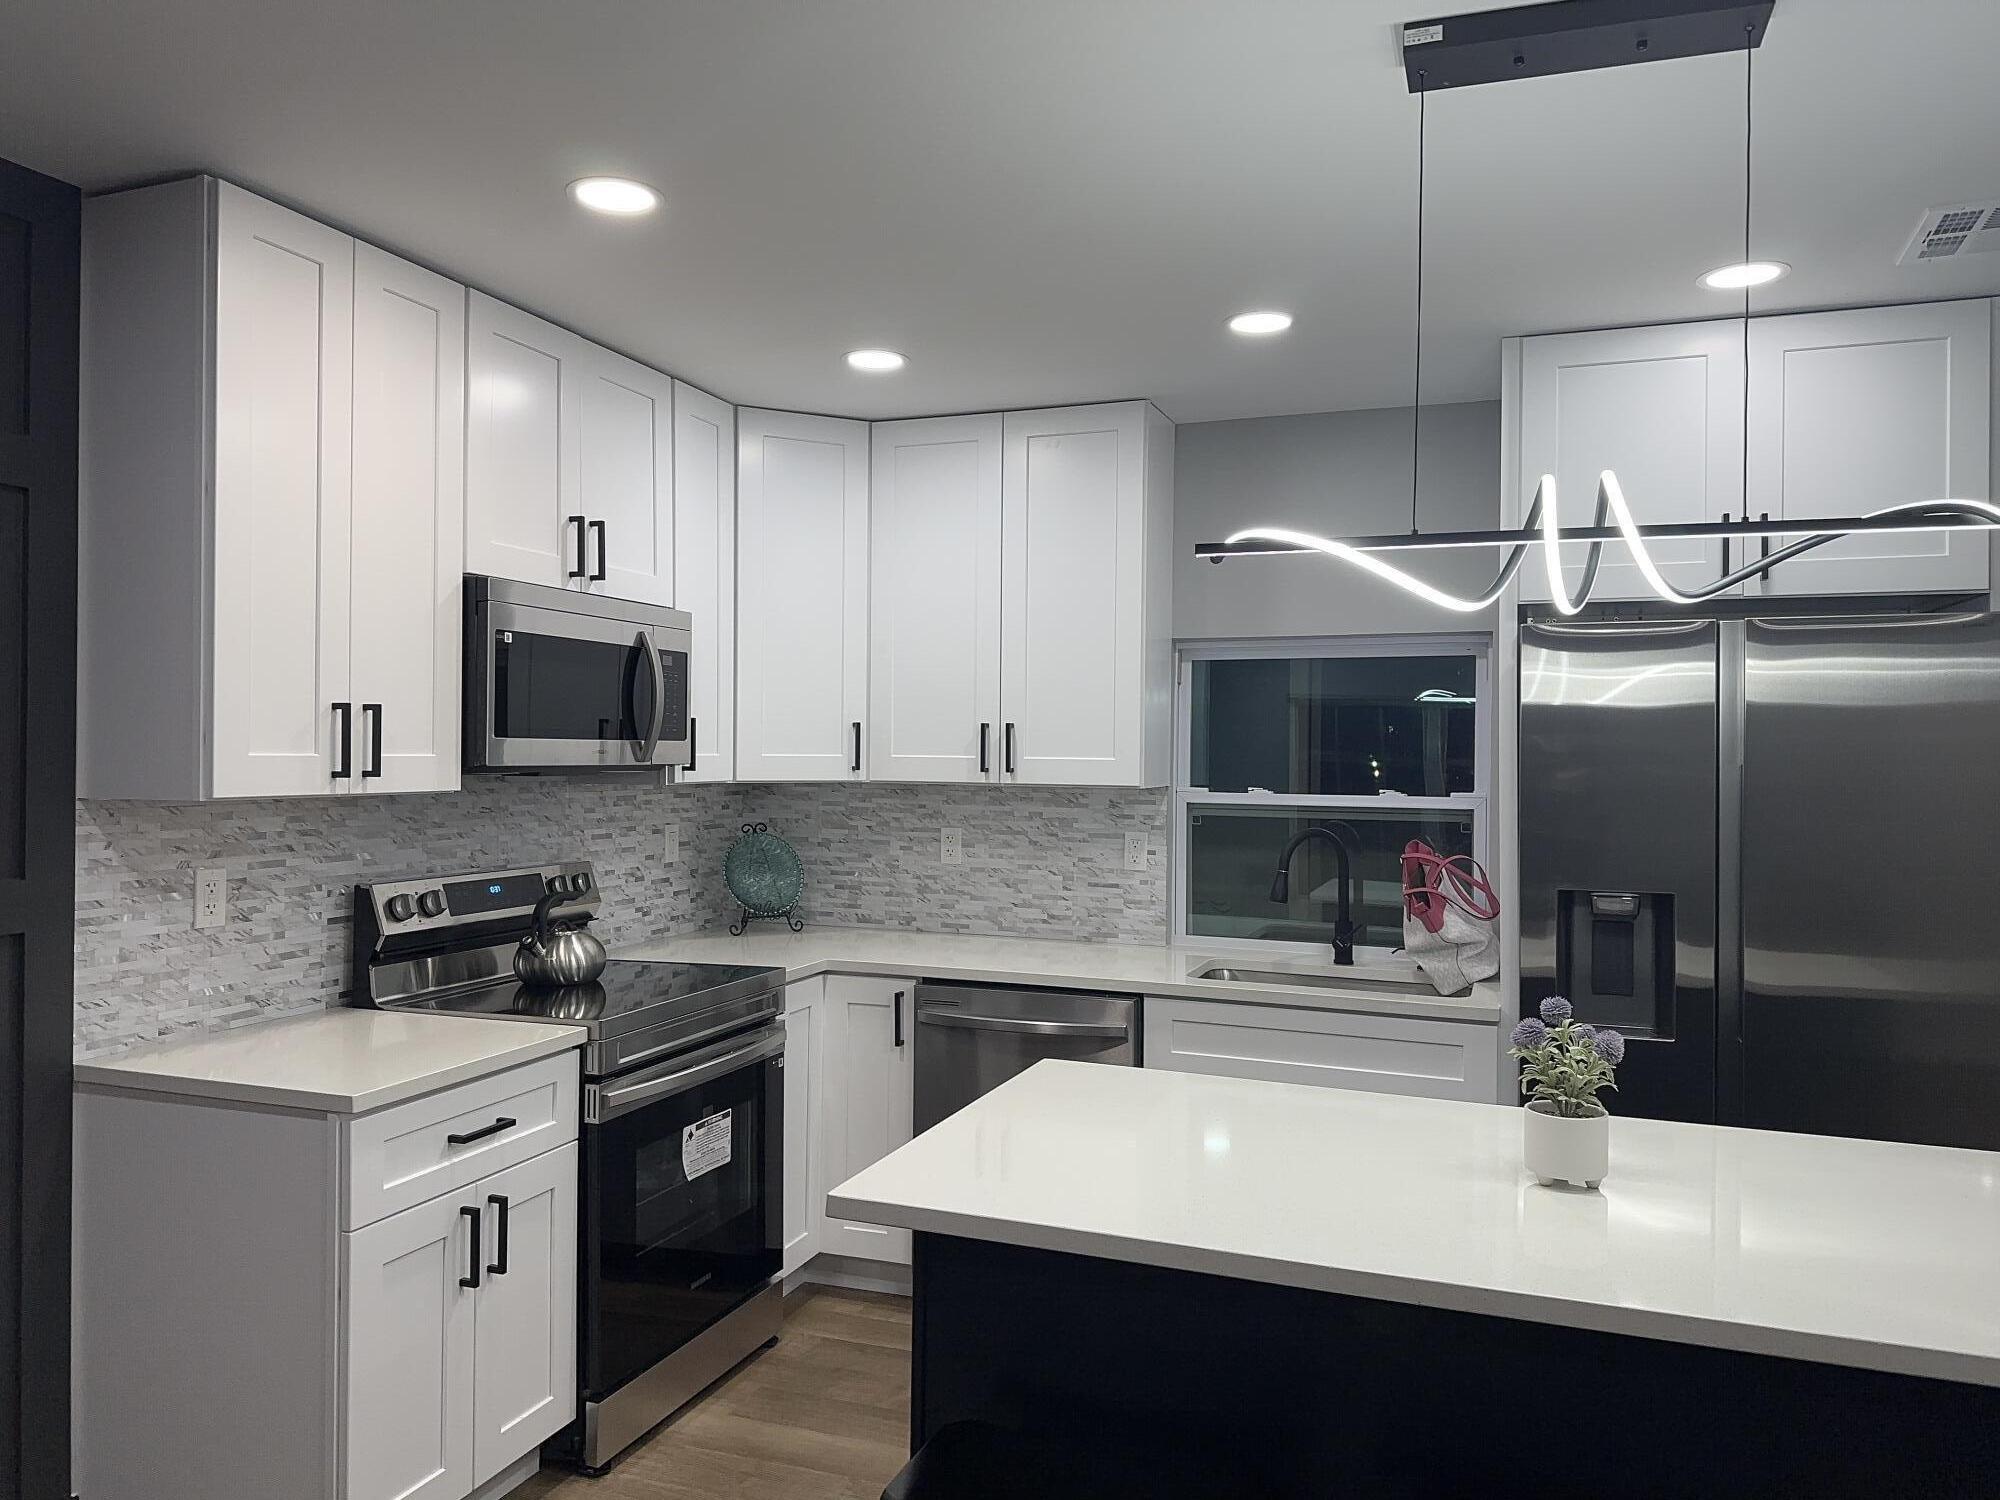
(1349, 1292)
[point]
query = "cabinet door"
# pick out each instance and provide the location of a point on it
(1073, 584)
(524, 1381)
(805, 1186)
(407, 544)
(284, 311)
(870, 1027)
(1663, 409)
(1851, 412)
(934, 595)
(802, 597)
(705, 572)
(407, 1339)
(625, 446)
(1325, 1048)
(522, 481)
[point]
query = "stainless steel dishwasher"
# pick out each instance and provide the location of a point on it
(974, 1037)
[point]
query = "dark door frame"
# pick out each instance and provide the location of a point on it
(39, 297)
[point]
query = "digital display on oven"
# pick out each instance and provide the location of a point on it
(467, 897)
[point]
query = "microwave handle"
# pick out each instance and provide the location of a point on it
(649, 746)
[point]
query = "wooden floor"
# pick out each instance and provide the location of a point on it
(823, 1416)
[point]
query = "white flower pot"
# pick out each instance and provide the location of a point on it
(1560, 1148)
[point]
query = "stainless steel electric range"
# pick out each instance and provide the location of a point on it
(682, 1136)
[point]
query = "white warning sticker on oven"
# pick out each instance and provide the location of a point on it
(705, 1145)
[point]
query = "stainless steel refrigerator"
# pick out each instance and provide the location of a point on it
(1768, 852)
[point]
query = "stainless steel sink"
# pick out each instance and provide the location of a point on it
(1357, 980)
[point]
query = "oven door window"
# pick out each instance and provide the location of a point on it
(557, 687)
(683, 1218)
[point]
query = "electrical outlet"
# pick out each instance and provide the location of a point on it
(951, 846)
(211, 896)
(670, 848)
(1135, 851)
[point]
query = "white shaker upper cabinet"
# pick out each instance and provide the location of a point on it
(934, 635)
(284, 310)
(802, 597)
(1086, 633)
(1663, 409)
(524, 516)
(1851, 412)
(408, 524)
(625, 463)
(705, 573)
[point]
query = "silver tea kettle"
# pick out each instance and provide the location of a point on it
(555, 954)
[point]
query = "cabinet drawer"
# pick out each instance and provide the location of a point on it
(405, 1155)
(1330, 1049)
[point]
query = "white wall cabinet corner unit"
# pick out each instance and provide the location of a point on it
(348, 1348)
(273, 424)
(1086, 653)
(934, 618)
(1327, 1048)
(805, 1136)
(569, 460)
(705, 573)
(802, 597)
(869, 1028)
(1857, 410)
(1663, 408)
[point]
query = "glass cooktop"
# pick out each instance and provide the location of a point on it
(629, 995)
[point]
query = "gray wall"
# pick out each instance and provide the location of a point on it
(1338, 474)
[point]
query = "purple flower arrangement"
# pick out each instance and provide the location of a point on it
(1564, 1063)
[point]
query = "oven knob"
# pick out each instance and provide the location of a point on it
(580, 884)
(401, 908)
(559, 885)
(431, 903)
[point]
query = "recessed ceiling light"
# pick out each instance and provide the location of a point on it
(614, 195)
(1747, 274)
(1260, 322)
(875, 361)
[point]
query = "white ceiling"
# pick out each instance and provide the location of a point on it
(1039, 201)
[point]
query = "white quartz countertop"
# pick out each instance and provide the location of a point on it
(1855, 1253)
(1125, 968)
(343, 1061)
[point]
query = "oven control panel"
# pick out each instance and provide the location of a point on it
(439, 903)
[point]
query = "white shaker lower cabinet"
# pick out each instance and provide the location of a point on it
(1854, 411)
(805, 1137)
(870, 1031)
(802, 597)
(705, 573)
(256, 1316)
(1086, 650)
(1330, 1049)
(272, 444)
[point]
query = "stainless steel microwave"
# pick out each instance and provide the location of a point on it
(558, 679)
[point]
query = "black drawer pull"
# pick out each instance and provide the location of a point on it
(471, 1278)
(503, 1123)
(899, 1018)
(498, 1265)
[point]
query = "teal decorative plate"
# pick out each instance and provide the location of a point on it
(763, 872)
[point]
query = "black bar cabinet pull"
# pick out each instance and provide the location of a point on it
(898, 1008)
(692, 723)
(343, 740)
(1007, 761)
(498, 1265)
(985, 730)
(857, 746)
(471, 1278)
(1725, 543)
(1764, 541)
(603, 551)
(371, 720)
(503, 1123)
(578, 522)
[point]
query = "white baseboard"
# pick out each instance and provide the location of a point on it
(852, 1274)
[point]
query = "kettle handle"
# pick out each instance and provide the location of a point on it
(542, 908)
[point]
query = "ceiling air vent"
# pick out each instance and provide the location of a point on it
(1945, 233)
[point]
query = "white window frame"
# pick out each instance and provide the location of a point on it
(1185, 797)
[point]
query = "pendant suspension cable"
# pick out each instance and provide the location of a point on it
(1417, 378)
(1749, 91)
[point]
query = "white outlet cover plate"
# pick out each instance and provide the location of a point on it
(670, 849)
(211, 896)
(1135, 851)
(951, 846)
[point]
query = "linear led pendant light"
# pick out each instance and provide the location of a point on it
(1570, 36)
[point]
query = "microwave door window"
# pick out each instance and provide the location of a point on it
(551, 687)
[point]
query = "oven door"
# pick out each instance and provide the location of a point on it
(555, 687)
(683, 1197)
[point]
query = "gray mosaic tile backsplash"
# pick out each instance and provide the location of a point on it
(1043, 862)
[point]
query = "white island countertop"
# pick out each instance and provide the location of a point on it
(344, 1061)
(1856, 1253)
(1122, 968)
